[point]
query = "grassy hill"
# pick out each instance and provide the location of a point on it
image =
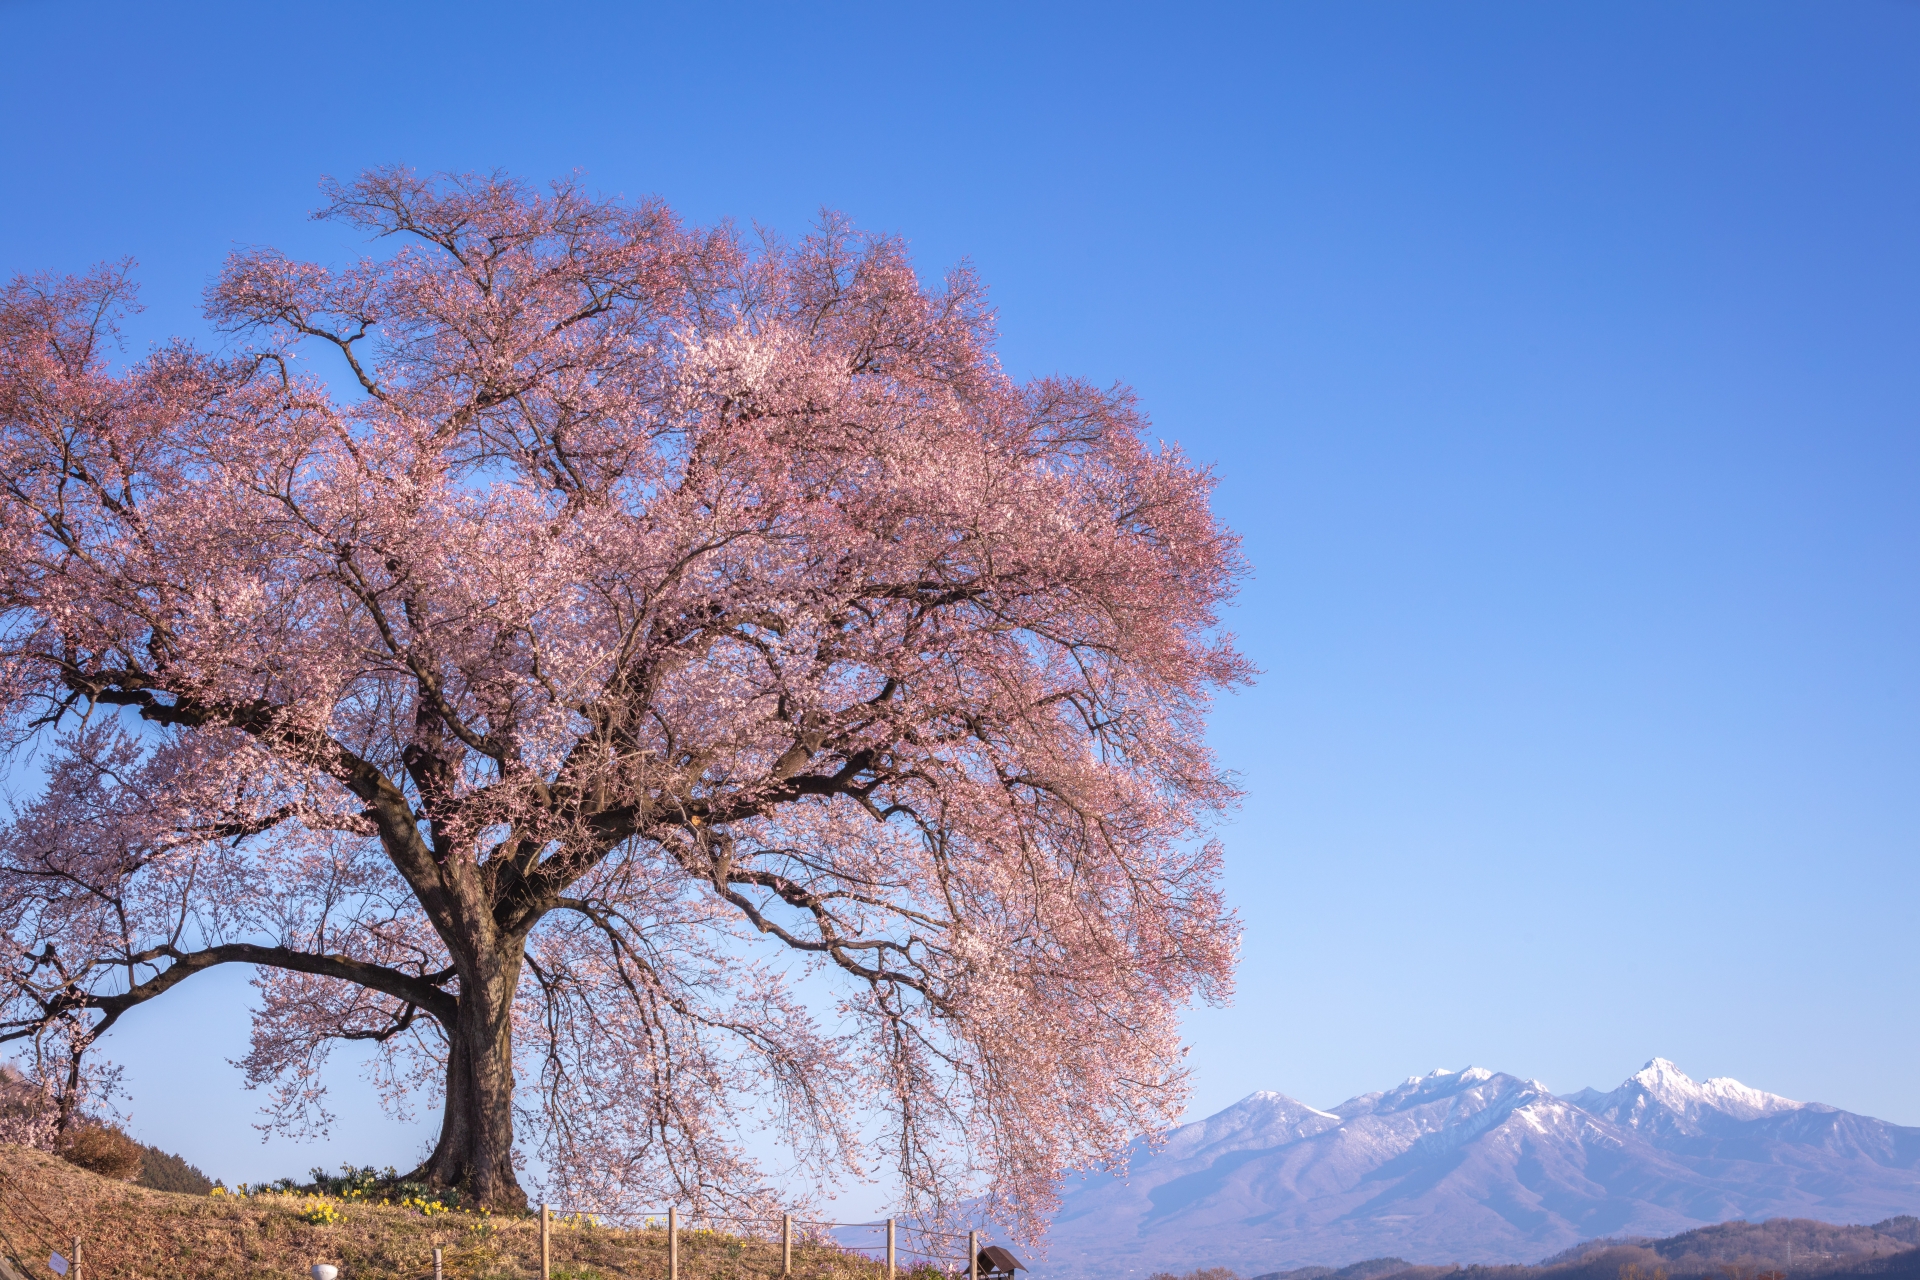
(133, 1233)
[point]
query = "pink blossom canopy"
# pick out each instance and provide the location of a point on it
(667, 687)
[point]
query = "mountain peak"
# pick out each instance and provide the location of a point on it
(1268, 1101)
(1447, 1075)
(1723, 1093)
(1660, 1094)
(1261, 1119)
(1664, 1080)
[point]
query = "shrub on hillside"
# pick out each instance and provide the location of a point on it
(103, 1149)
(163, 1171)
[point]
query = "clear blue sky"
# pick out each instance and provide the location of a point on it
(1561, 364)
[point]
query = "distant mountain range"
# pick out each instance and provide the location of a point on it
(1477, 1166)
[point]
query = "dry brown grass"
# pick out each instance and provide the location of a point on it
(132, 1233)
(103, 1149)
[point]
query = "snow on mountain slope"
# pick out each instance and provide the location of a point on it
(1258, 1120)
(1476, 1165)
(1661, 1094)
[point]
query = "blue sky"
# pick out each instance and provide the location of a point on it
(1560, 363)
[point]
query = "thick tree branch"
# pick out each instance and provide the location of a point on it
(421, 990)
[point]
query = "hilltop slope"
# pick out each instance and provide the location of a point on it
(132, 1233)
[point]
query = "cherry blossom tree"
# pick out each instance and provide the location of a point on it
(669, 686)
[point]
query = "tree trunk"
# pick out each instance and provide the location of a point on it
(475, 1151)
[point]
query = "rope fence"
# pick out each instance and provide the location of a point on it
(894, 1239)
(31, 1239)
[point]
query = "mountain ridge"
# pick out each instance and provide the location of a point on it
(1477, 1165)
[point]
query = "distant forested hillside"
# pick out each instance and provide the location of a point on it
(1779, 1249)
(164, 1171)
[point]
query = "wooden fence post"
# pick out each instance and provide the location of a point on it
(786, 1244)
(76, 1258)
(889, 1249)
(546, 1244)
(438, 1274)
(673, 1243)
(973, 1255)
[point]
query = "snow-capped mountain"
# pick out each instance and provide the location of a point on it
(1477, 1166)
(1660, 1094)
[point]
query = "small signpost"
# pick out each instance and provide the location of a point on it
(996, 1263)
